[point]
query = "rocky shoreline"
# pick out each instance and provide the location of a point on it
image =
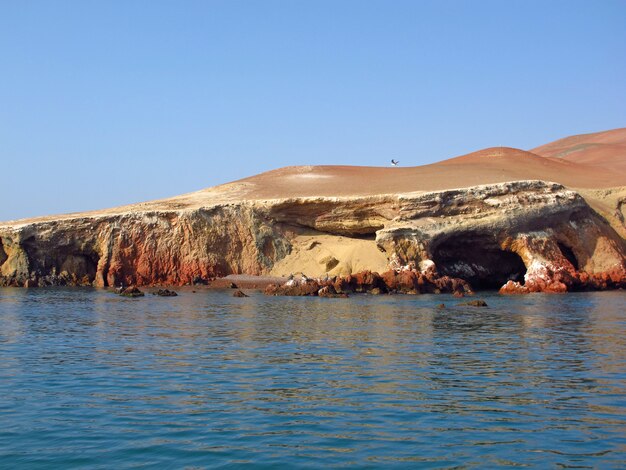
(373, 283)
(406, 281)
(411, 281)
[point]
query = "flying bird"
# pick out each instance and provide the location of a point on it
(394, 162)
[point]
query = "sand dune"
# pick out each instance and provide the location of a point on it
(493, 165)
(602, 149)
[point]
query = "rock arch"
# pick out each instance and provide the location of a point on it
(479, 260)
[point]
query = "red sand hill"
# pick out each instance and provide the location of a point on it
(492, 165)
(601, 149)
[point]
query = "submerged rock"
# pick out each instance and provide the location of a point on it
(475, 303)
(131, 291)
(238, 293)
(165, 293)
(330, 292)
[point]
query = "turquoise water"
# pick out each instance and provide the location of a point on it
(204, 380)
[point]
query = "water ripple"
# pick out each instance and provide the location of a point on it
(203, 380)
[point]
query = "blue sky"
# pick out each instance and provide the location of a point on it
(110, 102)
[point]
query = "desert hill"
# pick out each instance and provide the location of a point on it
(601, 149)
(492, 165)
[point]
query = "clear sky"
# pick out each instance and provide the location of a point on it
(104, 103)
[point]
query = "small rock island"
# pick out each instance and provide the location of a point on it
(546, 220)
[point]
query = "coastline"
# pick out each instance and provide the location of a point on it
(496, 218)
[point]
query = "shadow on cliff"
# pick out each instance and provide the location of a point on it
(62, 265)
(479, 261)
(3, 254)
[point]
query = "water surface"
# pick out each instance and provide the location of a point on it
(92, 380)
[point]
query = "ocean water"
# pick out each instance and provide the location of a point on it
(204, 380)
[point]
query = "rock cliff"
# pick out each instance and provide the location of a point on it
(525, 235)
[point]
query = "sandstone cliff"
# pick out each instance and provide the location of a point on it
(524, 232)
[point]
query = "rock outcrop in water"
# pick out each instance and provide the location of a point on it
(402, 281)
(523, 236)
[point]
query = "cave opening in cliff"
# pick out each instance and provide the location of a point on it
(79, 264)
(479, 261)
(569, 255)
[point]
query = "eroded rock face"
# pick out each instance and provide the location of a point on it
(524, 236)
(142, 248)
